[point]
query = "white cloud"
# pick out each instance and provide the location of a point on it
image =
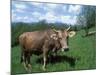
(35, 4)
(18, 18)
(36, 14)
(49, 17)
(43, 4)
(52, 5)
(33, 20)
(74, 9)
(19, 10)
(20, 6)
(13, 16)
(25, 17)
(64, 8)
(65, 19)
(68, 19)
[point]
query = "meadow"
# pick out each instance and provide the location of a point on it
(81, 56)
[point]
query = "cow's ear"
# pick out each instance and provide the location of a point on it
(71, 33)
(54, 36)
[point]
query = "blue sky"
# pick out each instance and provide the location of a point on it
(33, 12)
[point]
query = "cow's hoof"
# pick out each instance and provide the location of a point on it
(25, 66)
(29, 68)
(26, 69)
(44, 69)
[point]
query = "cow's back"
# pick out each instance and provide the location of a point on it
(33, 40)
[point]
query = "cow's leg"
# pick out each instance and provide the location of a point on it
(44, 62)
(25, 60)
(28, 60)
(45, 52)
(54, 52)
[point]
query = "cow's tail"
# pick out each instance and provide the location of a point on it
(22, 57)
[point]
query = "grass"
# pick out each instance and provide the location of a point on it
(81, 56)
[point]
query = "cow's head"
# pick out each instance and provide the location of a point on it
(62, 36)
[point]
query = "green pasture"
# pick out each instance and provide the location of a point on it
(81, 56)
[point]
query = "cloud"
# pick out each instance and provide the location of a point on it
(47, 5)
(13, 16)
(26, 17)
(68, 19)
(74, 9)
(20, 6)
(19, 10)
(50, 17)
(34, 12)
(64, 8)
(18, 18)
(35, 3)
(37, 16)
(53, 6)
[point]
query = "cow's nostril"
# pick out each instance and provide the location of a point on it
(66, 49)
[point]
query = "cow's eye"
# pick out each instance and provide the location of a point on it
(67, 37)
(60, 38)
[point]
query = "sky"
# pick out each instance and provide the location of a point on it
(34, 12)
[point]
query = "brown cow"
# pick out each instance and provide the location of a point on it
(41, 42)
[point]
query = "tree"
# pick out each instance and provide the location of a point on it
(87, 17)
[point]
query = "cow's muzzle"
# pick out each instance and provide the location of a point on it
(65, 49)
